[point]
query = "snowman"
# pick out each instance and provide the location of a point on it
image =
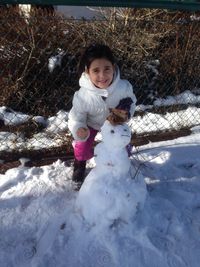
(112, 192)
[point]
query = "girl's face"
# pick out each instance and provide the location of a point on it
(101, 72)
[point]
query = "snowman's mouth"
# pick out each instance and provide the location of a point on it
(125, 135)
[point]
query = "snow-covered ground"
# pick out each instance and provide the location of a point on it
(40, 226)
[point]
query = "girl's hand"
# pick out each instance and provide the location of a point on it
(82, 132)
(122, 114)
(117, 116)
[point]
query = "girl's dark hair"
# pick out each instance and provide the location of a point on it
(92, 52)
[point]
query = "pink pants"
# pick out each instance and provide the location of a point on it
(84, 150)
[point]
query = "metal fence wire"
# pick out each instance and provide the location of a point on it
(158, 51)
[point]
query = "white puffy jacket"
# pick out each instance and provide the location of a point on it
(90, 109)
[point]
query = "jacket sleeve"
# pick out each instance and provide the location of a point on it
(77, 116)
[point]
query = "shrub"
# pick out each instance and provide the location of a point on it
(27, 45)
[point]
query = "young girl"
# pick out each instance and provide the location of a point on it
(101, 90)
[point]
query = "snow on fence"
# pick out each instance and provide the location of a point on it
(158, 52)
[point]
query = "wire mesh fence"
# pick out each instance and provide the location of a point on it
(157, 51)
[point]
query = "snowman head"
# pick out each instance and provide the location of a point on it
(115, 136)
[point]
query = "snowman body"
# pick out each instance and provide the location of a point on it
(110, 192)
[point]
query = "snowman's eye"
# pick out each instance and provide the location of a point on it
(125, 130)
(112, 131)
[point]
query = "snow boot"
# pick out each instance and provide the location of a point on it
(79, 173)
